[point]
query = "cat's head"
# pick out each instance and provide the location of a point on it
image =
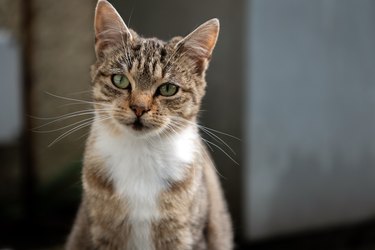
(145, 85)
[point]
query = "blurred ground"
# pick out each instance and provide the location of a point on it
(354, 237)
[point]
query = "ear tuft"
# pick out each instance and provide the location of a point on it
(110, 29)
(201, 42)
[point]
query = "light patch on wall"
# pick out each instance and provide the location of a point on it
(10, 89)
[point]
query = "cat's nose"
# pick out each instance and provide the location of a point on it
(139, 110)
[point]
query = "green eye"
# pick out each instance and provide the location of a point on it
(168, 89)
(120, 81)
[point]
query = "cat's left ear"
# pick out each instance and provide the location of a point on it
(110, 29)
(200, 43)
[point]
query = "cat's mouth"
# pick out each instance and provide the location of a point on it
(137, 125)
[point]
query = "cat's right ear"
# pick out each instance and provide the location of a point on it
(110, 29)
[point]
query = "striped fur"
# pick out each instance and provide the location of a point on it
(153, 187)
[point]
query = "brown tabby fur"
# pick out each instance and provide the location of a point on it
(193, 213)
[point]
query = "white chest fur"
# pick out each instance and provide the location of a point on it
(140, 169)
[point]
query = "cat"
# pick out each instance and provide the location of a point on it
(148, 180)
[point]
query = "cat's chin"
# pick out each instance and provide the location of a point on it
(137, 128)
(141, 130)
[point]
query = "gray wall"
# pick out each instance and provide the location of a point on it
(311, 114)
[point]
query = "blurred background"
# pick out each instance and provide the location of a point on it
(293, 79)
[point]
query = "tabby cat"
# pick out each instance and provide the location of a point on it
(149, 183)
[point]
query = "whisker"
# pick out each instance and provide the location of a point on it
(222, 150)
(93, 128)
(75, 103)
(131, 14)
(70, 131)
(73, 99)
(81, 92)
(62, 128)
(219, 132)
(69, 116)
(211, 129)
(179, 121)
(208, 145)
(64, 115)
(216, 138)
(179, 126)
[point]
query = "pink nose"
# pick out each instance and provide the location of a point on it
(139, 110)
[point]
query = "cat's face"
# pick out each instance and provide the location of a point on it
(148, 86)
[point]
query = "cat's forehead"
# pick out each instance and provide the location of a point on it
(148, 61)
(147, 51)
(148, 47)
(145, 59)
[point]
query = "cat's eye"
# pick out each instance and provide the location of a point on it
(168, 89)
(120, 81)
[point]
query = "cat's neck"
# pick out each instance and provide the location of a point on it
(155, 161)
(177, 147)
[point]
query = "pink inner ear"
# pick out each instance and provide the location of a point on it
(211, 41)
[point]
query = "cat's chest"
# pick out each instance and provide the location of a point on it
(141, 169)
